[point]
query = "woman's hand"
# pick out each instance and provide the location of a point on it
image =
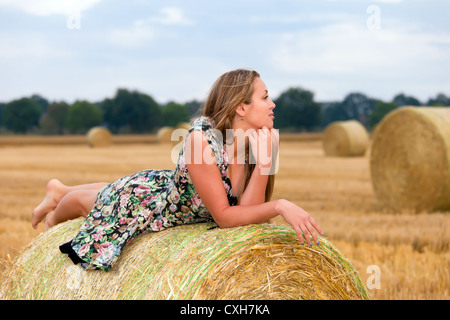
(264, 144)
(303, 224)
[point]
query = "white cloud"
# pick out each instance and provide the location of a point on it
(328, 49)
(144, 30)
(169, 78)
(389, 1)
(31, 47)
(390, 59)
(172, 16)
(177, 78)
(139, 33)
(346, 48)
(50, 7)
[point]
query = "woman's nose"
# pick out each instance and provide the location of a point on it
(273, 105)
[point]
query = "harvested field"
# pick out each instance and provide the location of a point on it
(410, 250)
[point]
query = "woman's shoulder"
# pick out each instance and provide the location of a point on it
(207, 126)
(203, 133)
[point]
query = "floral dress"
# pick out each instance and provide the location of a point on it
(146, 201)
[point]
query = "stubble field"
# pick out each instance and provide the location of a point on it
(410, 250)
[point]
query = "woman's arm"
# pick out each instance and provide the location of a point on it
(255, 191)
(208, 183)
(264, 143)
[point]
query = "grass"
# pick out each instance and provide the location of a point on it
(411, 250)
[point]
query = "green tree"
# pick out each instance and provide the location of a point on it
(82, 116)
(54, 120)
(111, 115)
(21, 115)
(2, 106)
(194, 108)
(131, 111)
(402, 100)
(355, 106)
(440, 100)
(381, 109)
(333, 111)
(358, 106)
(41, 101)
(297, 110)
(174, 113)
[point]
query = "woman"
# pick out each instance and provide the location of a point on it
(214, 180)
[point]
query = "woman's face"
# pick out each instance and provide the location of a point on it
(259, 113)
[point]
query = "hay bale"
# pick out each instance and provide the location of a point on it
(345, 139)
(99, 137)
(194, 261)
(410, 159)
(164, 135)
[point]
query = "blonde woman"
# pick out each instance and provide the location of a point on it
(224, 174)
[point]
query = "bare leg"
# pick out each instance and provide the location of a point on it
(56, 190)
(77, 203)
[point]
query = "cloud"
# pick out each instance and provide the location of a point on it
(144, 30)
(172, 16)
(348, 48)
(138, 34)
(391, 59)
(389, 1)
(31, 47)
(50, 7)
(159, 47)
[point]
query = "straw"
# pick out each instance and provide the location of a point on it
(345, 139)
(198, 261)
(410, 159)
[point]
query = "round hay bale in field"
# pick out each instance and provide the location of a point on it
(410, 159)
(164, 135)
(345, 139)
(99, 137)
(197, 261)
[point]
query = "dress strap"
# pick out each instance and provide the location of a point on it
(213, 136)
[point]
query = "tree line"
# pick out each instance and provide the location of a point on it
(134, 112)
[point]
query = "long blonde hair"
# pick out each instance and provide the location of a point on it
(227, 93)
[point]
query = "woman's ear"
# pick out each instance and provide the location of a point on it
(240, 111)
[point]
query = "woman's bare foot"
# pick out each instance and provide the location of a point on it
(49, 220)
(55, 191)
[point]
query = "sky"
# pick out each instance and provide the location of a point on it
(68, 50)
